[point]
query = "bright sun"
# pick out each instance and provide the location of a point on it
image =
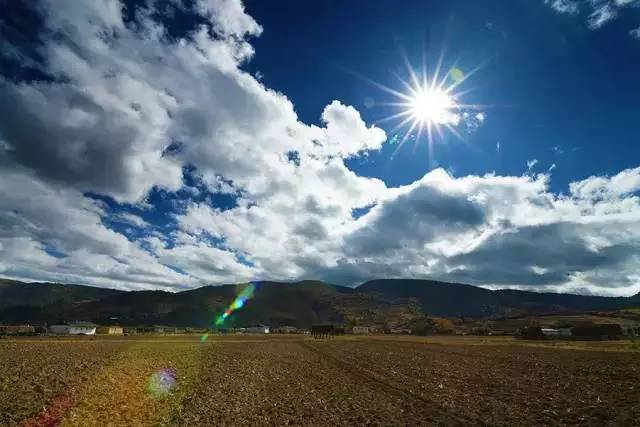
(432, 106)
(428, 106)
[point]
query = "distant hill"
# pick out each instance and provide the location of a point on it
(451, 299)
(299, 304)
(14, 293)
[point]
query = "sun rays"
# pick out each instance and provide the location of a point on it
(431, 105)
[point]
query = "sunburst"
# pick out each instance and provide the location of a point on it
(431, 104)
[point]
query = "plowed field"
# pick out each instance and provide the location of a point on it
(282, 380)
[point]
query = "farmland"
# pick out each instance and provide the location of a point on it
(297, 380)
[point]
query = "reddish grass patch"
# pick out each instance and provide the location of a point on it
(52, 414)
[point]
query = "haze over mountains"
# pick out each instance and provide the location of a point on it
(301, 304)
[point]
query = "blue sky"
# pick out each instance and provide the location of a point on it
(549, 80)
(169, 145)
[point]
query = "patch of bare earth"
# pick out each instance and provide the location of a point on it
(506, 385)
(127, 393)
(291, 382)
(249, 380)
(39, 379)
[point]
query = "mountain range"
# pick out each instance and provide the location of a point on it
(301, 304)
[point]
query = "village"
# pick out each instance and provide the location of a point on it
(532, 330)
(85, 328)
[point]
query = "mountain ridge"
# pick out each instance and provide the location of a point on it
(395, 301)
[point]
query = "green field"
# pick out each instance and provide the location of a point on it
(297, 380)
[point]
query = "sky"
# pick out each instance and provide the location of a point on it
(175, 144)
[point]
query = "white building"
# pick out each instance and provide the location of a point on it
(73, 328)
(361, 330)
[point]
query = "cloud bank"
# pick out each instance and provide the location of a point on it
(124, 116)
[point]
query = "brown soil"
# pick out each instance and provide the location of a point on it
(347, 381)
(283, 380)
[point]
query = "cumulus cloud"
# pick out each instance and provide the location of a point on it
(607, 188)
(125, 107)
(53, 233)
(505, 232)
(414, 216)
(347, 134)
(229, 18)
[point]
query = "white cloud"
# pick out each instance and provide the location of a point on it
(346, 133)
(35, 216)
(564, 6)
(132, 107)
(531, 163)
(598, 13)
(229, 18)
(131, 219)
(602, 187)
(210, 264)
(497, 229)
(601, 15)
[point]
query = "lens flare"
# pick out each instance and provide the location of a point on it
(239, 302)
(456, 74)
(162, 382)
